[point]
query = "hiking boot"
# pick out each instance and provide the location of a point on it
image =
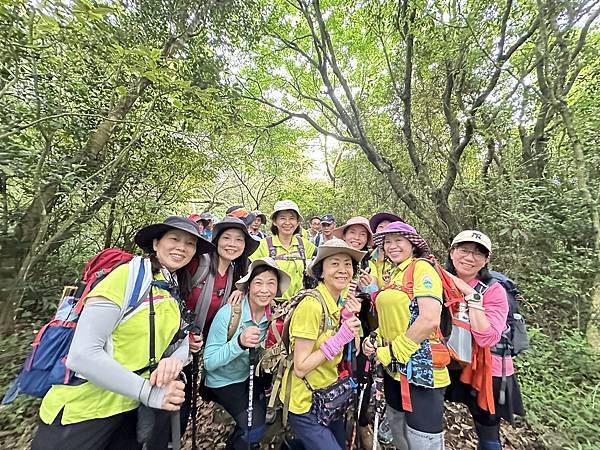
(384, 435)
(366, 437)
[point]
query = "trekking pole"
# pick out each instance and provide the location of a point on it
(175, 431)
(361, 397)
(195, 370)
(379, 401)
(252, 356)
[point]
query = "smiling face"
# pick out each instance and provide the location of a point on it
(286, 222)
(397, 247)
(337, 272)
(263, 288)
(468, 259)
(231, 244)
(356, 236)
(175, 249)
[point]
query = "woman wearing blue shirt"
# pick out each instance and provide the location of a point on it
(227, 362)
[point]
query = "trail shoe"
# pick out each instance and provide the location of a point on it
(366, 437)
(384, 435)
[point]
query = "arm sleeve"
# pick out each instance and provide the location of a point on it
(88, 357)
(403, 349)
(218, 352)
(310, 248)
(180, 350)
(495, 303)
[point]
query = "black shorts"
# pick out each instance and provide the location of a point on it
(427, 405)
(110, 433)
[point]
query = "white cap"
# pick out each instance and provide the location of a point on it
(285, 205)
(473, 236)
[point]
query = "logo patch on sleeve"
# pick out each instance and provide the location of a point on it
(427, 282)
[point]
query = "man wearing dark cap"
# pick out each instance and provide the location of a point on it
(207, 222)
(327, 227)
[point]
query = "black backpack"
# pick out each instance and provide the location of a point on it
(514, 338)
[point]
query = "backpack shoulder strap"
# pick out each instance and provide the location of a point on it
(234, 320)
(301, 248)
(272, 249)
(201, 271)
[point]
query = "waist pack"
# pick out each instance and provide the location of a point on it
(330, 403)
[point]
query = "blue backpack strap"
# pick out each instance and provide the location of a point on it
(137, 287)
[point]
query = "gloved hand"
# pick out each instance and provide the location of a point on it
(403, 349)
(335, 344)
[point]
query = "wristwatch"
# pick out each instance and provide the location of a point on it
(475, 298)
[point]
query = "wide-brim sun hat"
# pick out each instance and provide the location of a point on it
(286, 205)
(332, 247)
(406, 231)
(284, 280)
(376, 219)
(473, 236)
(144, 238)
(339, 231)
(233, 222)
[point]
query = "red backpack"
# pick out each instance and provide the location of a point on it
(45, 365)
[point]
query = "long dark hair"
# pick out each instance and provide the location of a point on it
(239, 264)
(483, 275)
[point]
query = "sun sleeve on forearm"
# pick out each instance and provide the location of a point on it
(88, 357)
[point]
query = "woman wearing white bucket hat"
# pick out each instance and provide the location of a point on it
(291, 251)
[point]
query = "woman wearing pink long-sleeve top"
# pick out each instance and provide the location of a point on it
(488, 308)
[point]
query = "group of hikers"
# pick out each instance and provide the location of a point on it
(343, 311)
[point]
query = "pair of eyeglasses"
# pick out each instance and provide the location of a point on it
(463, 251)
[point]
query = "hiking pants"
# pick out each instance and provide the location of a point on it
(234, 399)
(315, 436)
(111, 433)
(421, 429)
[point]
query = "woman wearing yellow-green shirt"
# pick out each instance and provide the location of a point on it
(287, 246)
(414, 381)
(111, 350)
(317, 347)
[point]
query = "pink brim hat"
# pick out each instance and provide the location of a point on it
(339, 231)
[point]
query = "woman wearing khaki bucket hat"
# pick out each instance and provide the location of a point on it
(319, 329)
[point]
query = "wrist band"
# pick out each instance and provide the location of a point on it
(475, 306)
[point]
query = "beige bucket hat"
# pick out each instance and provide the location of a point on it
(282, 276)
(332, 247)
